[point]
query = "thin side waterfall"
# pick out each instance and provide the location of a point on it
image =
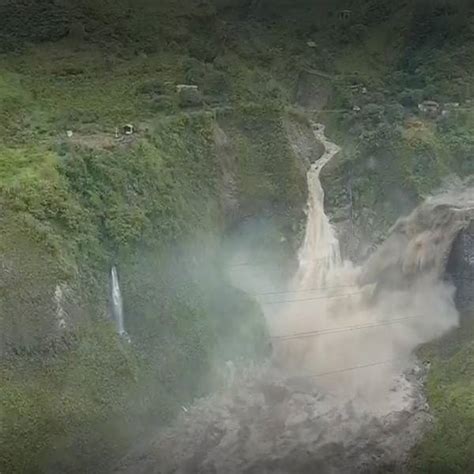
(117, 303)
(59, 303)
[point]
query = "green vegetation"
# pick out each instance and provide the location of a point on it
(268, 179)
(75, 399)
(72, 400)
(61, 411)
(393, 154)
(72, 213)
(449, 447)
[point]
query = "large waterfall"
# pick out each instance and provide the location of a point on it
(355, 328)
(320, 251)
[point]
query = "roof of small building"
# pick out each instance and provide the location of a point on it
(430, 103)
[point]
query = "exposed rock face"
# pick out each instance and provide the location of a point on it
(461, 268)
(421, 242)
(313, 90)
(304, 144)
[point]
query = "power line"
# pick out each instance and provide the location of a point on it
(328, 331)
(356, 367)
(325, 297)
(308, 290)
(336, 287)
(325, 288)
(323, 332)
(263, 262)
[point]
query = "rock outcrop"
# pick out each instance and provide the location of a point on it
(461, 268)
(424, 240)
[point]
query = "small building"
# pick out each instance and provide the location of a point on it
(449, 108)
(128, 129)
(429, 108)
(344, 15)
(186, 87)
(358, 89)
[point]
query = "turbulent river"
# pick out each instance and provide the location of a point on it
(343, 392)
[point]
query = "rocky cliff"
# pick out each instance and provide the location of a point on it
(461, 268)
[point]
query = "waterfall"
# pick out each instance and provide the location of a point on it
(338, 315)
(59, 303)
(117, 303)
(320, 252)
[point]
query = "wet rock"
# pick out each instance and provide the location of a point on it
(460, 268)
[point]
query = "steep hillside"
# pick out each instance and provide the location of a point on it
(79, 194)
